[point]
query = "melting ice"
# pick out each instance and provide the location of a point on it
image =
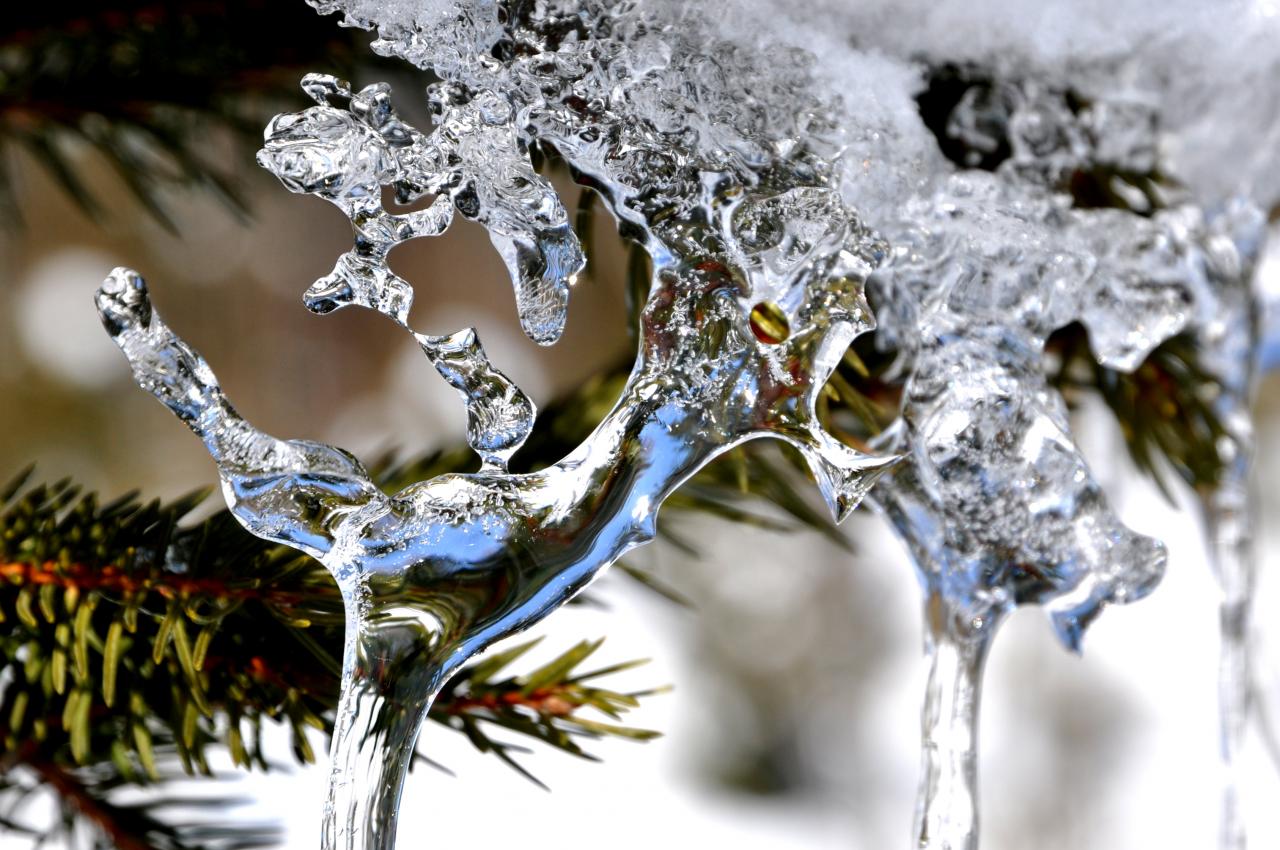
(758, 177)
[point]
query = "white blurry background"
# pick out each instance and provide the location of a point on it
(793, 722)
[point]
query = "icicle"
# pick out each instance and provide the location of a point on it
(1229, 523)
(947, 807)
(1227, 336)
(997, 508)
(995, 501)
(499, 414)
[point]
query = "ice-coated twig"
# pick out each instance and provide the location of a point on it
(437, 572)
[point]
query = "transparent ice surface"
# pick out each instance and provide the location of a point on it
(752, 171)
(994, 500)
(735, 198)
(1227, 336)
(473, 162)
(437, 572)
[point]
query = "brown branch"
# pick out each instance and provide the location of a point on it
(114, 579)
(551, 701)
(71, 790)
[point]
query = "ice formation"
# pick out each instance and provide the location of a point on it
(1228, 339)
(737, 213)
(994, 501)
(761, 180)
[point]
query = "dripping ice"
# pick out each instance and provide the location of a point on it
(994, 501)
(753, 174)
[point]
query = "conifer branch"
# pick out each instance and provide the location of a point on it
(143, 82)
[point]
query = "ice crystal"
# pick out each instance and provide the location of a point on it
(754, 175)
(724, 168)
(473, 162)
(994, 500)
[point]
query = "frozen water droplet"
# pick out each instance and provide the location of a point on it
(769, 323)
(499, 415)
(542, 266)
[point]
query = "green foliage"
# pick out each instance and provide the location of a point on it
(550, 696)
(1164, 407)
(89, 794)
(131, 640)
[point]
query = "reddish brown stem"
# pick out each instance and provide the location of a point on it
(114, 579)
(89, 806)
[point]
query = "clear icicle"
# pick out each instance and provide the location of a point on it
(994, 501)
(437, 572)
(947, 807)
(1228, 342)
(499, 414)
(997, 508)
(1229, 523)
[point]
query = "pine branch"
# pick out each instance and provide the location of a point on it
(1163, 407)
(168, 628)
(545, 704)
(87, 795)
(131, 637)
(145, 82)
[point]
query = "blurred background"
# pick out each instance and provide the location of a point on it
(797, 669)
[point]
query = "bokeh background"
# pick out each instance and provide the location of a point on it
(797, 672)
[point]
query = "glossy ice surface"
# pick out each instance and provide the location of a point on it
(437, 572)
(746, 168)
(994, 500)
